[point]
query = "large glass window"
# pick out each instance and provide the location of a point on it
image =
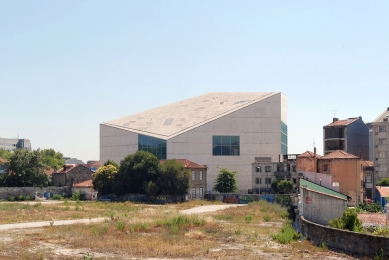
(284, 138)
(152, 145)
(225, 145)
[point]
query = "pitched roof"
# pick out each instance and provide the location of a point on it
(309, 154)
(69, 167)
(84, 184)
(339, 154)
(372, 218)
(381, 117)
(93, 164)
(343, 122)
(2, 160)
(367, 164)
(168, 121)
(384, 191)
(187, 164)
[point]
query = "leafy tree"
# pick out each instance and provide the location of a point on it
(226, 181)
(173, 178)
(104, 179)
(368, 207)
(26, 169)
(274, 184)
(383, 182)
(110, 162)
(52, 158)
(5, 154)
(151, 189)
(349, 221)
(285, 186)
(135, 171)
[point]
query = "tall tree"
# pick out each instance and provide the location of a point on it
(173, 178)
(26, 169)
(52, 158)
(5, 154)
(104, 179)
(135, 172)
(110, 162)
(285, 186)
(226, 181)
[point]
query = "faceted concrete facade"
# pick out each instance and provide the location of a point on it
(254, 117)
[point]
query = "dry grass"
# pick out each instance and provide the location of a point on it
(133, 230)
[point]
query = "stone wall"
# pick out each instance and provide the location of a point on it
(346, 240)
(6, 192)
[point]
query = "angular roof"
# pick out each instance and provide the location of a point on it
(93, 164)
(168, 121)
(306, 184)
(384, 191)
(339, 154)
(69, 167)
(309, 154)
(187, 164)
(344, 122)
(380, 118)
(367, 164)
(84, 184)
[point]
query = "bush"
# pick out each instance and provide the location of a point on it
(349, 221)
(11, 198)
(57, 197)
(287, 234)
(20, 198)
(76, 196)
(368, 207)
(28, 197)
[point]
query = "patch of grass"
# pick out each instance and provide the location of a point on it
(120, 226)
(266, 218)
(287, 234)
(248, 219)
(238, 232)
(224, 217)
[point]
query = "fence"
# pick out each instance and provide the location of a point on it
(284, 199)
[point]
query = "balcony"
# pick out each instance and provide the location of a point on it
(282, 175)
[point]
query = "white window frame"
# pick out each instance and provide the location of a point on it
(382, 128)
(200, 192)
(193, 175)
(201, 175)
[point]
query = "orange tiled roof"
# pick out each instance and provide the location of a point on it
(95, 164)
(84, 184)
(367, 164)
(49, 171)
(339, 154)
(343, 122)
(384, 191)
(2, 160)
(187, 163)
(372, 218)
(309, 154)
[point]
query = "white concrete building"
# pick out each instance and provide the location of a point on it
(227, 130)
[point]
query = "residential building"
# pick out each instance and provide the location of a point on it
(93, 165)
(86, 190)
(319, 204)
(350, 135)
(73, 161)
(381, 146)
(264, 172)
(347, 171)
(3, 165)
(368, 179)
(227, 130)
(306, 162)
(382, 194)
(71, 174)
(198, 186)
(11, 144)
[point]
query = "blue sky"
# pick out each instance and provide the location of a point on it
(67, 66)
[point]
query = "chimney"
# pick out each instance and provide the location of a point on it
(387, 109)
(314, 159)
(64, 168)
(334, 119)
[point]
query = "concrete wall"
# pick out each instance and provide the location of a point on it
(348, 173)
(6, 192)
(323, 179)
(321, 208)
(357, 139)
(259, 128)
(344, 240)
(305, 164)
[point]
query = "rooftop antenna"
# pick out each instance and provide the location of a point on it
(313, 142)
(334, 111)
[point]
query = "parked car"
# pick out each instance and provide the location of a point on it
(108, 198)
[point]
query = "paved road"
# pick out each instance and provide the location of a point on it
(210, 208)
(48, 223)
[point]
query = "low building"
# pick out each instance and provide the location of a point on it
(319, 204)
(71, 174)
(382, 193)
(199, 177)
(93, 165)
(264, 172)
(368, 179)
(86, 190)
(3, 165)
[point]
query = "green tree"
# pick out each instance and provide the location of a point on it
(5, 154)
(173, 178)
(349, 221)
(226, 181)
(274, 185)
(151, 189)
(25, 169)
(110, 162)
(383, 182)
(285, 186)
(52, 158)
(135, 172)
(104, 179)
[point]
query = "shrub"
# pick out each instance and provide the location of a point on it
(11, 198)
(76, 196)
(28, 197)
(57, 197)
(368, 207)
(349, 221)
(266, 218)
(287, 234)
(20, 198)
(248, 219)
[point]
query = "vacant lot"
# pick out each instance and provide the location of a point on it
(133, 231)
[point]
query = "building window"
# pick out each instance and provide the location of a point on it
(381, 141)
(284, 138)
(257, 168)
(267, 180)
(382, 128)
(382, 155)
(193, 192)
(257, 181)
(325, 167)
(368, 178)
(201, 175)
(267, 168)
(383, 167)
(152, 145)
(200, 192)
(193, 176)
(294, 168)
(225, 145)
